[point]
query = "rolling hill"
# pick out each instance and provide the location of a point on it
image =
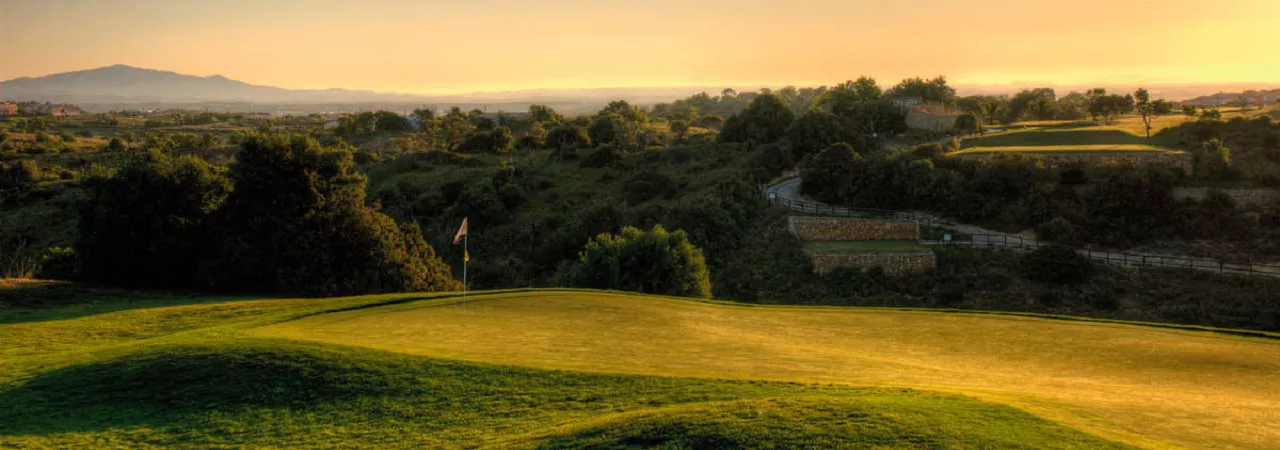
(590, 369)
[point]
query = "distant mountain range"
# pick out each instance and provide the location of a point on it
(127, 87)
(121, 86)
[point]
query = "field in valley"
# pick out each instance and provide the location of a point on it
(570, 369)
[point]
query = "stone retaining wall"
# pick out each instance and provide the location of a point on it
(850, 229)
(892, 263)
(1243, 197)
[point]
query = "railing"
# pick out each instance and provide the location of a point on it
(1115, 257)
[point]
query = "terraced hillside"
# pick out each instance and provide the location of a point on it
(571, 369)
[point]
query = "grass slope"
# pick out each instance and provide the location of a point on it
(201, 383)
(1143, 385)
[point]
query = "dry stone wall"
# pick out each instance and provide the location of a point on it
(849, 229)
(892, 263)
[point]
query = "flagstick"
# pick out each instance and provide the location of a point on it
(464, 277)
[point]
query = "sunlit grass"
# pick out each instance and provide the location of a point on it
(187, 376)
(1148, 386)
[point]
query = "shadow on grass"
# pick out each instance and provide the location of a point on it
(39, 301)
(169, 387)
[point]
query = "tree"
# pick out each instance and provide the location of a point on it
(842, 99)
(624, 110)
(1145, 107)
(18, 178)
(608, 129)
(147, 226)
(935, 90)
(567, 137)
(115, 145)
(967, 123)
(764, 121)
(1211, 160)
(679, 128)
(653, 262)
(1189, 111)
(1036, 104)
(817, 130)
(296, 222)
(877, 117)
(424, 116)
(544, 114)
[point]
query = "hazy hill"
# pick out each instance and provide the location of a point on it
(127, 87)
(120, 83)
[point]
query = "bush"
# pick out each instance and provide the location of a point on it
(604, 156)
(646, 186)
(1057, 230)
(930, 151)
(653, 262)
(1057, 264)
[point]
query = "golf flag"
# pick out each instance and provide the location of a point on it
(462, 231)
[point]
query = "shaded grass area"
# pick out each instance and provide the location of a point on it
(872, 246)
(250, 392)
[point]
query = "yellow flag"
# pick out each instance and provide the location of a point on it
(466, 257)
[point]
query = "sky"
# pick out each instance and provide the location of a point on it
(445, 47)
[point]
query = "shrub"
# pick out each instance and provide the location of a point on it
(604, 156)
(646, 186)
(1057, 264)
(930, 151)
(653, 262)
(1057, 230)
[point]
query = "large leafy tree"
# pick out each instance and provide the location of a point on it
(146, 226)
(935, 90)
(844, 98)
(653, 262)
(296, 222)
(816, 129)
(765, 120)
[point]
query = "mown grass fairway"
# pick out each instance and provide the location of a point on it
(187, 376)
(1149, 386)
(1073, 138)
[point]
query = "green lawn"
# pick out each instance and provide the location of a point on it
(589, 369)
(1070, 137)
(1103, 149)
(881, 246)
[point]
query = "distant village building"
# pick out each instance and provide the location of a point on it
(64, 110)
(8, 109)
(932, 117)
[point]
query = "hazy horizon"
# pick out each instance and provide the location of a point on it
(438, 48)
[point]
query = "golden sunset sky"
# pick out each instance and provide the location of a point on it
(428, 46)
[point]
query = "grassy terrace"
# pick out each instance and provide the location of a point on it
(577, 369)
(884, 246)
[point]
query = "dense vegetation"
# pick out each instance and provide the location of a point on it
(538, 187)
